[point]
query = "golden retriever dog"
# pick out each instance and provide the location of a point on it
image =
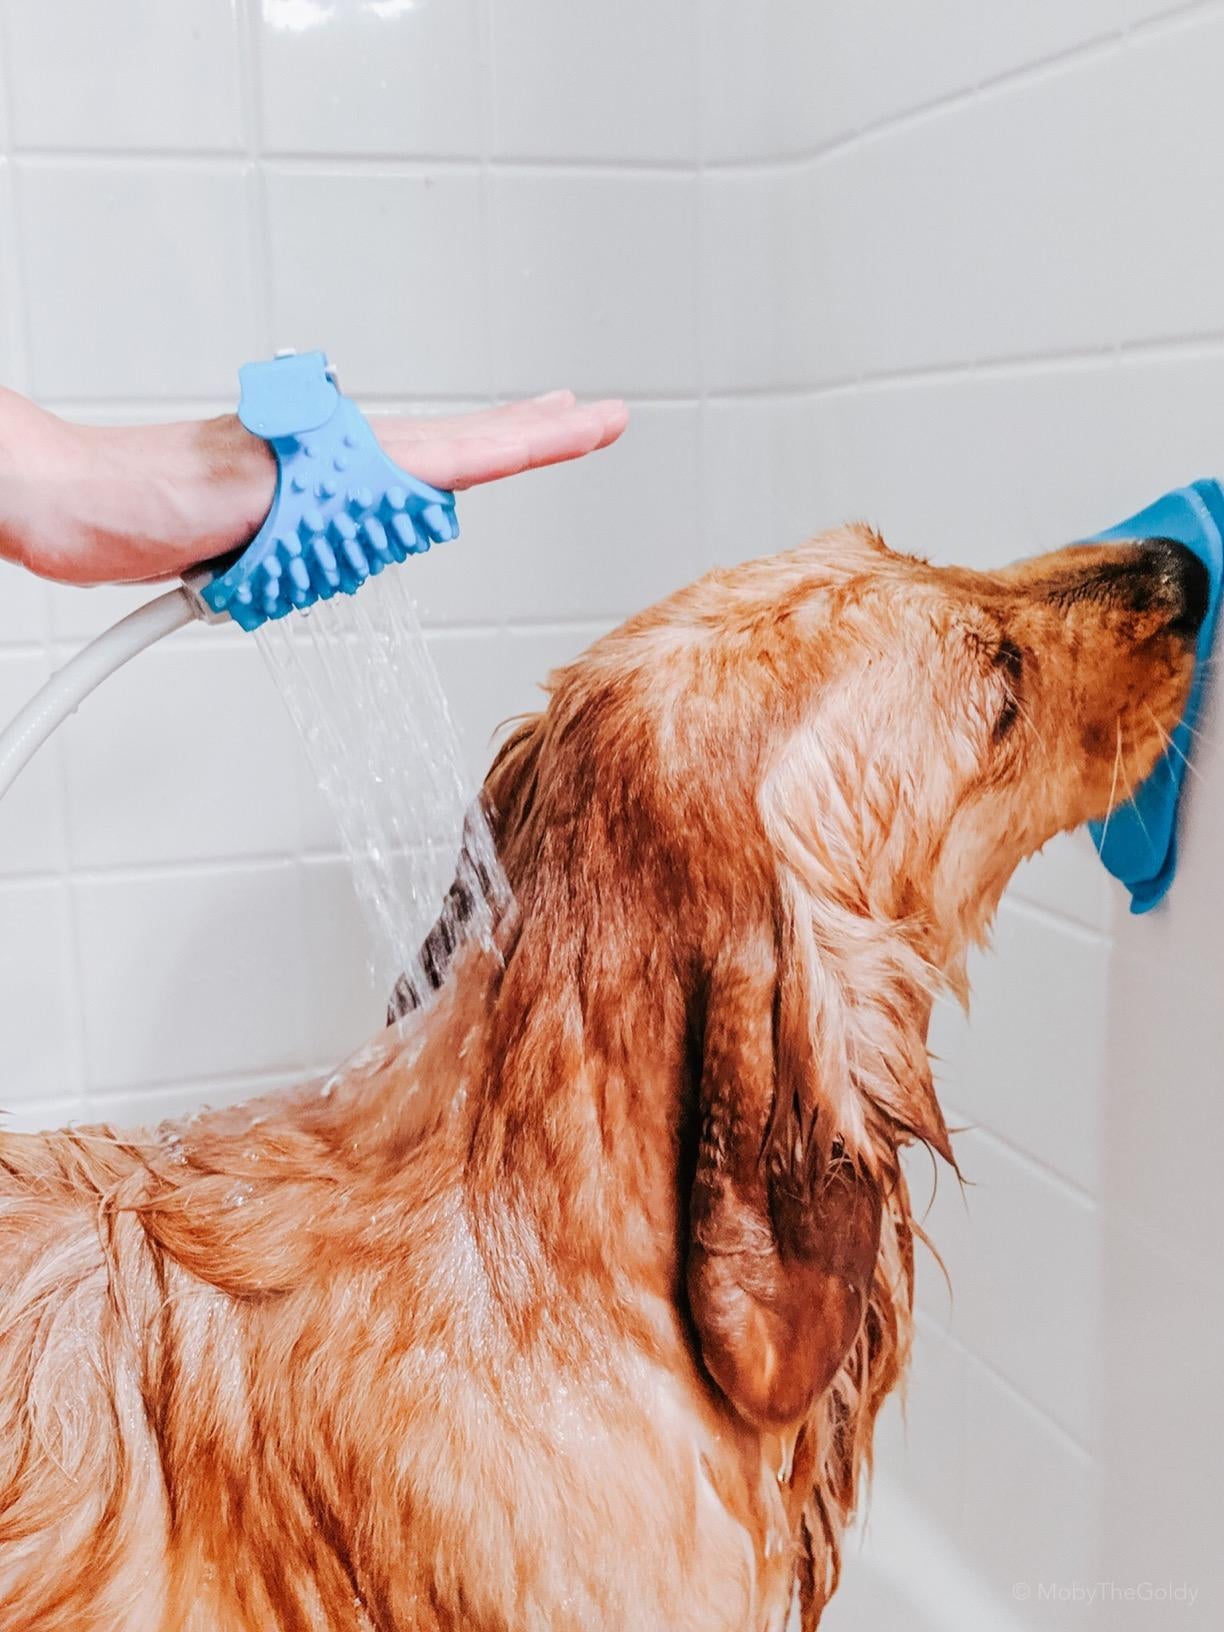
(571, 1302)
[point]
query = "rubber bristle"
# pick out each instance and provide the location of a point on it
(328, 533)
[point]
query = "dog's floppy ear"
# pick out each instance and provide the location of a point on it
(784, 1224)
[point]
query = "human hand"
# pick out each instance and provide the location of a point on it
(94, 504)
(463, 450)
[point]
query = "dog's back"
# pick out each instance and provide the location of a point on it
(80, 1479)
(255, 1373)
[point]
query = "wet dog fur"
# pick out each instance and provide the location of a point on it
(571, 1302)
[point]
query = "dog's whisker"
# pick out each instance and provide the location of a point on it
(1171, 746)
(1113, 788)
(1132, 788)
(1197, 732)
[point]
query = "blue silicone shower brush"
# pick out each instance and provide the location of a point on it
(1138, 843)
(342, 510)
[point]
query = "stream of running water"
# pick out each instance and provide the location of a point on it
(362, 687)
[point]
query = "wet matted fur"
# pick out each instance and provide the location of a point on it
(571, 1302)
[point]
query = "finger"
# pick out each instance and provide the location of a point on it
(549, 400)
(616, 417)
(540, 444)
(476, 422)
(463, 462)
(579, 432)
(467, 461)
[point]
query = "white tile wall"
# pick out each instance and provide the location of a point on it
(920, 1438)
(611, 82)
(1162, 1432)
(41, 1001)
(592, 278)
(763, 84)
(344, 1006)
(134, 276)
(10, 314)
(1166, 1035)
(128, 75)
(199, 973)
(531, 655)
(23, 608)
(956, 272)
(1020, 339)
(1032, 1500)
(1065, 880)
(1027, 1063)
(759, 232)
(1039, 237)
(597, 538)
(879, 62)
(776, 484)
(31, 828)
(183, 756)
(403, 76)
(1023, 1253)
(418, 238)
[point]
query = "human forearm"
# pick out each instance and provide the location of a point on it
(89, 504)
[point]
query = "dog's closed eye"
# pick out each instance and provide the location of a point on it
(1009, 662)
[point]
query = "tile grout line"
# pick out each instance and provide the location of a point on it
(971, 93)
(1002, 1381)
(1205, 346)
(1036, 912)
(1068, 1188)
(248, 1081)
(1157, 348)
(489, 218)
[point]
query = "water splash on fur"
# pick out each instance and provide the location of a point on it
(362, 688)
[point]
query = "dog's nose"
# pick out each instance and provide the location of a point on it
(1181, 582)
